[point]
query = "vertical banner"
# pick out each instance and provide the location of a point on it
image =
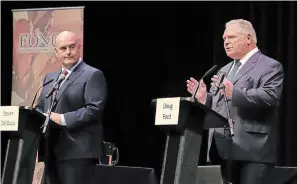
(34, 32)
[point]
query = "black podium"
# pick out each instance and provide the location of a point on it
(22, 148)
(184, 137)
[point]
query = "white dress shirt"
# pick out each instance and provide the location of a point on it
(244, 59)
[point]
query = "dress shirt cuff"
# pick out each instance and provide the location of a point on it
(63, 122)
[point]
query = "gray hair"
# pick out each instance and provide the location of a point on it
(246, 27)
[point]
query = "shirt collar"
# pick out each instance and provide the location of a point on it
(72, 68)
(248, 55)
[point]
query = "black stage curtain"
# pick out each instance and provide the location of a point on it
(149, 50)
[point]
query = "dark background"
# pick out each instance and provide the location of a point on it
(149, 49)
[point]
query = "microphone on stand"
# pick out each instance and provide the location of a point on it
(55, 87)
(210, 71)
(31, 107)
(218, 83)
(57, 83)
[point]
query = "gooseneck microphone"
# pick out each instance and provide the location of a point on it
(31, 107)
(57, 83)
(210, 71)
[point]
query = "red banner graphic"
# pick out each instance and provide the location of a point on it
(34, 33)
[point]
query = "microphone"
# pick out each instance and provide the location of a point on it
(218, 83)
(31, 107)
(60, 79)
(210, 71)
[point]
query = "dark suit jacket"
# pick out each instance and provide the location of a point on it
(254, 106)
(81, 99)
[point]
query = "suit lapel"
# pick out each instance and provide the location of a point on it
(251, 62)
(71, 78)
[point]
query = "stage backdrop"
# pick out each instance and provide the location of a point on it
(34, 32)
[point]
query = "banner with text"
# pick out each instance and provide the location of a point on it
(34, 32)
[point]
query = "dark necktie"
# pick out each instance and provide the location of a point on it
(234, 70)
(231, 76)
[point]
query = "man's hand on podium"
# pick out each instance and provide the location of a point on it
(55, 117)
(201, 94)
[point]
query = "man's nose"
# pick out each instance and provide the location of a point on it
(226, 42)
(68, 51)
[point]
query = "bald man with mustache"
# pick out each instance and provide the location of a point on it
(76, 143)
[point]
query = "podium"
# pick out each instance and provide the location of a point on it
(184, 122)
(22, 148)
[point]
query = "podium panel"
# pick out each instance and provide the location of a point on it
(184, 139)
(181, 157)
(22, 148)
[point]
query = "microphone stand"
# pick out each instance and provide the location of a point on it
(231, 134)
(45, 132)
(195, 91)
(53, 101)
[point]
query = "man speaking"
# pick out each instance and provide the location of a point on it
(253, 86)
(76, 142)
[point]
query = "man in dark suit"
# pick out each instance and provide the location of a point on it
(75, 143)
(253, 86)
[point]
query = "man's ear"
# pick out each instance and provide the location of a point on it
(78, 46)
(249, 39)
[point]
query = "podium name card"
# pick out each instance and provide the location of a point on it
(167, 111)
(9, 117)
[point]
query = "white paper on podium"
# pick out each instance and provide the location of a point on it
(167, 111)
(9, 118)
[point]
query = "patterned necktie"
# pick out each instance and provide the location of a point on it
(65, 73)
(56, 91)
(234, 70)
